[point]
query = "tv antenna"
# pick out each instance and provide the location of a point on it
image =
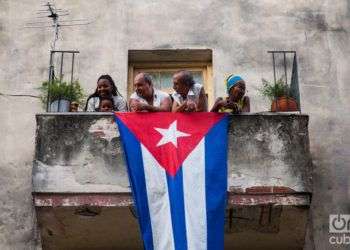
(56, 23)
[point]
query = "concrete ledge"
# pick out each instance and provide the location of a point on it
(82, 153)
(125, 200)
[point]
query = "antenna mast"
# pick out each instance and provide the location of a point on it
(54, 17)
(54, 14)
(56, 23)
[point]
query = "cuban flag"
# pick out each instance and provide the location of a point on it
(177, 166)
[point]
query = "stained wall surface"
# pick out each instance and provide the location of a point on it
(82, 153)
(239, 34)
(79, 178)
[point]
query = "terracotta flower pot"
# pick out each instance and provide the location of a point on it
(284, 104)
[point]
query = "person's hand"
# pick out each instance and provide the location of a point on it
(182, 107)
(221, 103)
(233, 106)
(190, 106)
(138, 106)
(133, 105)
(141, 106)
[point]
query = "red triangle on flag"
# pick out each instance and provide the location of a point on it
(170, 137)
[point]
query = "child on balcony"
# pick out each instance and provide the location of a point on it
(74, 107)
(106, 105)
(105, 88)
(237, 101)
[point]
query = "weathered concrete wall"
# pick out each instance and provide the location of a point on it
(238, 32)
(79, 174)
(78, 154)
(81, 153)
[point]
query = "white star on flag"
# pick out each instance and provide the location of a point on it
(170, 134)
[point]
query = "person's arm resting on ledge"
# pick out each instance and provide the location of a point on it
(137, 106)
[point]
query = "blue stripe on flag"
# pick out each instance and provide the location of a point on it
(177, 209)
(216, 183)
(137, 179)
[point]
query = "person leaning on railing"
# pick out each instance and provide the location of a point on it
(189, 96)
(236, 102)
(106, 88)
(146, 98)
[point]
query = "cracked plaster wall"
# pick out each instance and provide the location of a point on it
(83, 154)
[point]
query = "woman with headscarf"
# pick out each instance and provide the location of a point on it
(106, 88)
(236, 102)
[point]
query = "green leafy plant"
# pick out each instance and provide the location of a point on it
(61, 91)
(274, 90)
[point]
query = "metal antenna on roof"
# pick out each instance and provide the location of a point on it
(54, 14)
(50, 11)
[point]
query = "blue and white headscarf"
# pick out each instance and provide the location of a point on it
(231, 81)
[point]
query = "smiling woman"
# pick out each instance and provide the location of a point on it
(236, 102)
(106, 88)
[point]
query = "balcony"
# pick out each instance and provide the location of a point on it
(82, 195)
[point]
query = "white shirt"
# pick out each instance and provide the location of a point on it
(193, 94)
(158, 97)
(119, 104)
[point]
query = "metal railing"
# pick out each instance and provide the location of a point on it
(294, 82)
(52, 70)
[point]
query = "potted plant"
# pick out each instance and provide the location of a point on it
(61, 94)
(279, 94)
